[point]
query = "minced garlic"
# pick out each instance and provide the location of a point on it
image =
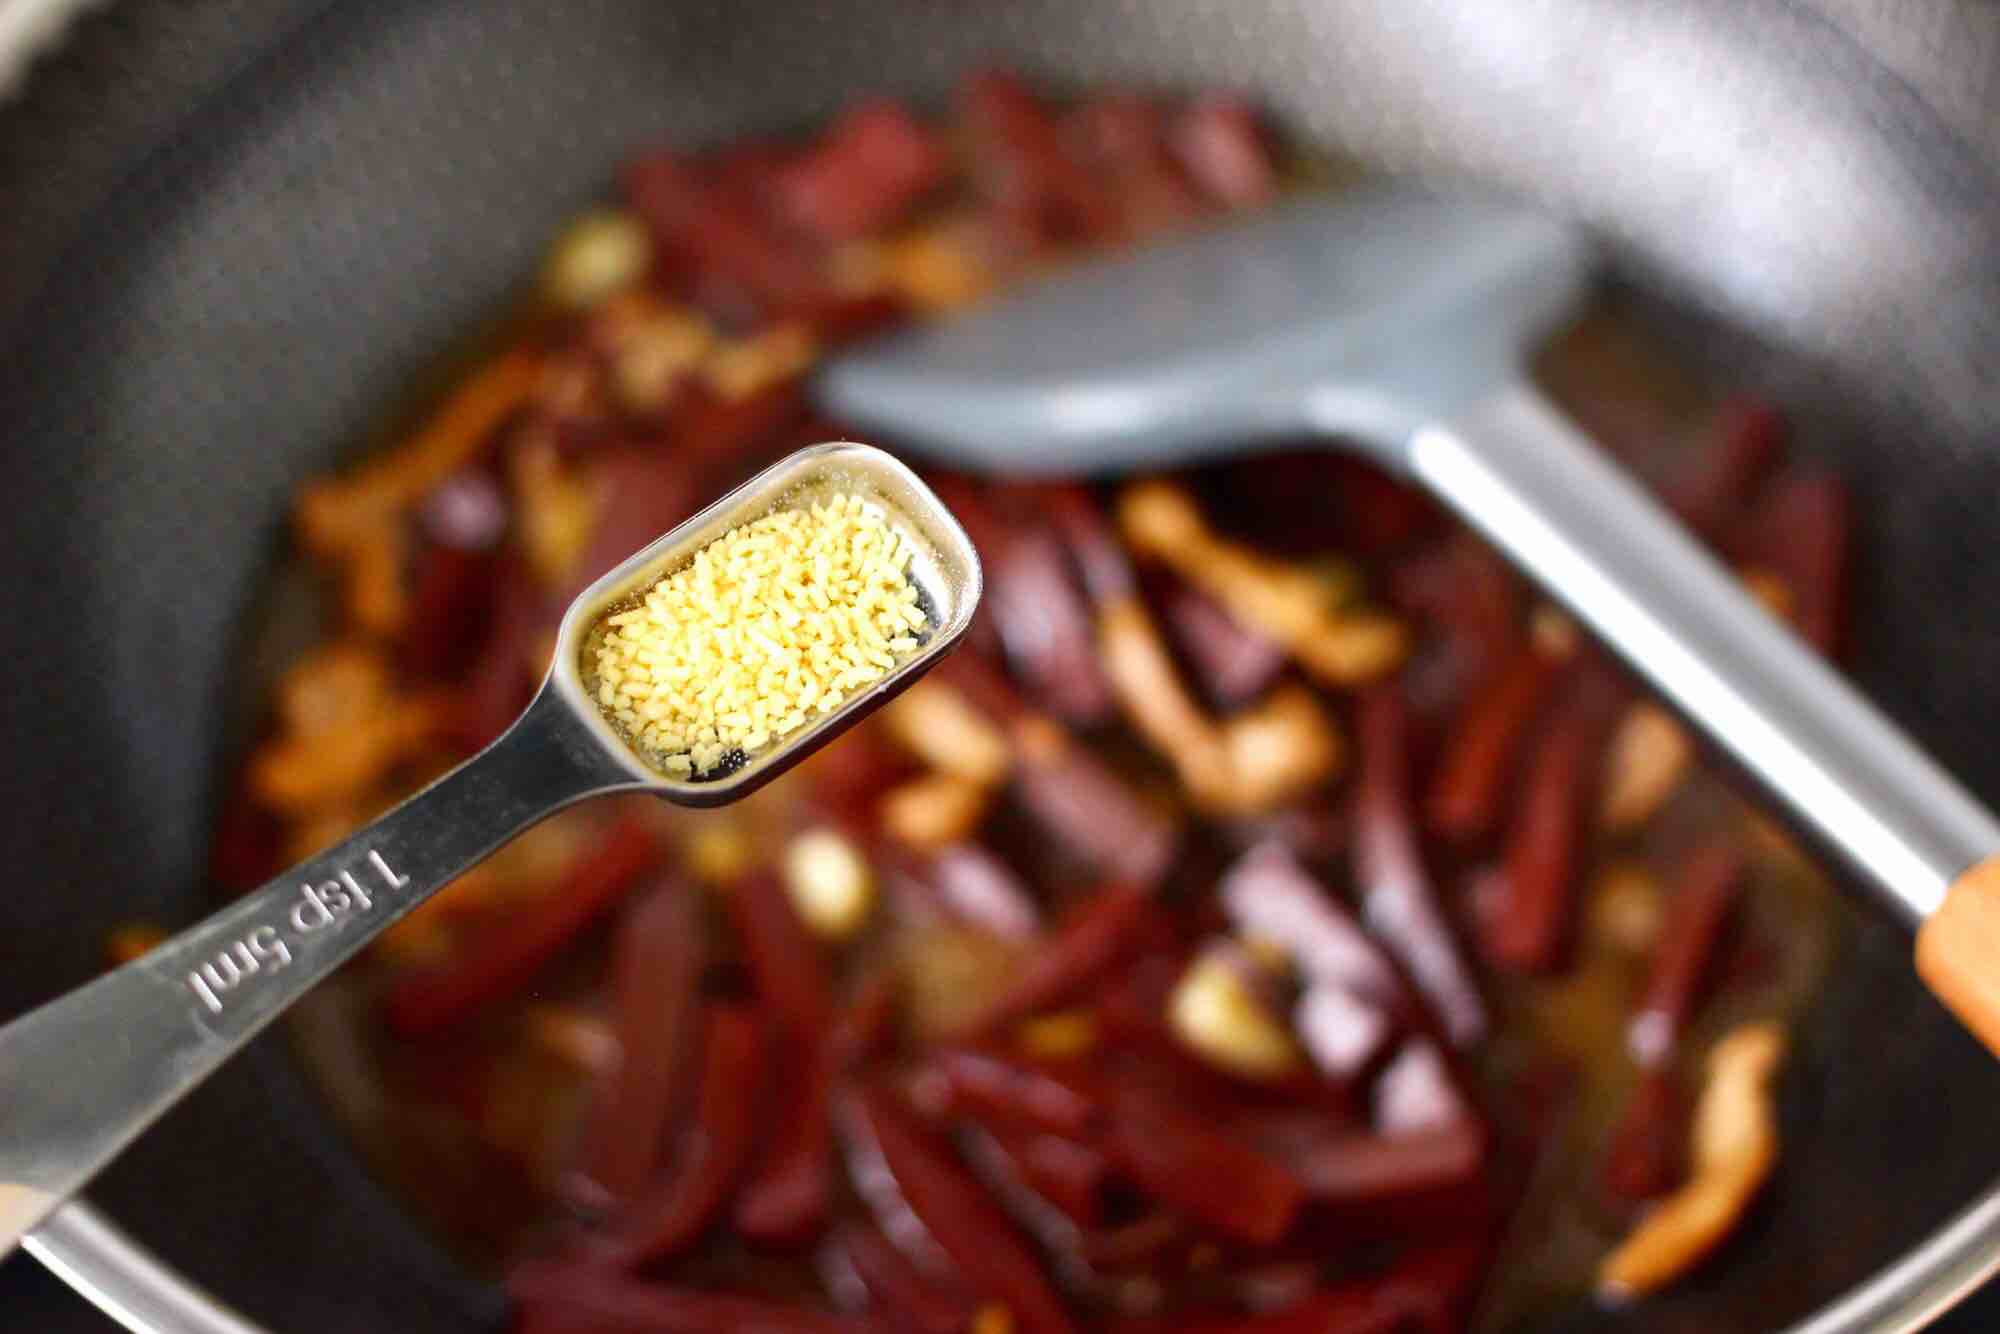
(770, 626)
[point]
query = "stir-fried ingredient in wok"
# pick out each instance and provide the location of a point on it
(1274, 918)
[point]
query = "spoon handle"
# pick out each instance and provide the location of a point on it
(81, 1076)
(1522, 474)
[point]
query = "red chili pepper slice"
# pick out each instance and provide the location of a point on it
(656, 966)
(1094, 937)
(510, 952)
(959, 1213)
(1397, 899)
(672, 1215)
(783, 956)
(1464, 802)
(1181, 1159)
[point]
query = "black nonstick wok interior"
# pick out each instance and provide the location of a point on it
(230, 232)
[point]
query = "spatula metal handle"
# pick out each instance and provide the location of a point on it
(1516, 469)
(1528, 479)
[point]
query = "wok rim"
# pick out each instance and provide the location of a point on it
(130, 1284)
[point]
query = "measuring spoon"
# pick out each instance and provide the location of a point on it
(83, 1075)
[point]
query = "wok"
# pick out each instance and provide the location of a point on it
(230, 231)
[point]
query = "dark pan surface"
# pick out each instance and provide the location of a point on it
(231, 232)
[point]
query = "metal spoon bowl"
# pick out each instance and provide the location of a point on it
(83, 1075)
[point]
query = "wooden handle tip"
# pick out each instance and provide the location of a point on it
(1958, 951)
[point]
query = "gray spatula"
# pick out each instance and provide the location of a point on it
(1399, 323)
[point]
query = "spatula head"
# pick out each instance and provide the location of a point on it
(1362, 314)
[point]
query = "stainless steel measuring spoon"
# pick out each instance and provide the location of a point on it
(83, 1075)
